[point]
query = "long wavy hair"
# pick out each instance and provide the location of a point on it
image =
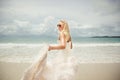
(66, 30)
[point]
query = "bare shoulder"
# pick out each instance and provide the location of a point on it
(62, 34)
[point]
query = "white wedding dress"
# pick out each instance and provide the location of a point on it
(62, 67)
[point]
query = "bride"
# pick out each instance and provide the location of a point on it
(62, 67)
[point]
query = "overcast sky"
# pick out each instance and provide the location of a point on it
(40, 17)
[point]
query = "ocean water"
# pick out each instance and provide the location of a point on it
(49, 39)
(87, 50)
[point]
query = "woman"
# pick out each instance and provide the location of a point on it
(62, 67)
(64, 36)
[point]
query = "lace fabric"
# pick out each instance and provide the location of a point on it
(62, 67)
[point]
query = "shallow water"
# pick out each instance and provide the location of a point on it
(86, 53)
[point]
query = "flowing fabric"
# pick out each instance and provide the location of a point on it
(62, 67)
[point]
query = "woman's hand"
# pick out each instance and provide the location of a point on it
(62, 44)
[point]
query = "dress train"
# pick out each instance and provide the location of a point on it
(63, 67)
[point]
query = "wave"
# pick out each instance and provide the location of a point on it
(93, 53)
(41, 44)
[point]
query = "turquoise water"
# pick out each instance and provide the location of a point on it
(48, 39)
(96, 40)
(86, 53)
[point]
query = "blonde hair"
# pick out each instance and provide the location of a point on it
(66, 30)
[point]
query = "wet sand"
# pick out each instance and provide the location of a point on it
(87, 71)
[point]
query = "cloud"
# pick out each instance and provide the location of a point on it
(78, 29)
(9, 29)
(22, 23)
(39, 17)
(23, 27)
(48, 27)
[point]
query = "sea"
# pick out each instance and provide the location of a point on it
(86, 49)
(51, 39)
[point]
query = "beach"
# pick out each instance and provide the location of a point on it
(96, 61)
(36, 37)
(87, 71)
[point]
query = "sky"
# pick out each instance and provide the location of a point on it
(40, 17)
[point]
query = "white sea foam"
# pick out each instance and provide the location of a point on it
(86, 53)
(9, 45)
(96, 44)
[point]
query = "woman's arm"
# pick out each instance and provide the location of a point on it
(62, 44)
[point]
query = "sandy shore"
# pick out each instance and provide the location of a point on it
(87, 71)
(12, 70)
(99, 71)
